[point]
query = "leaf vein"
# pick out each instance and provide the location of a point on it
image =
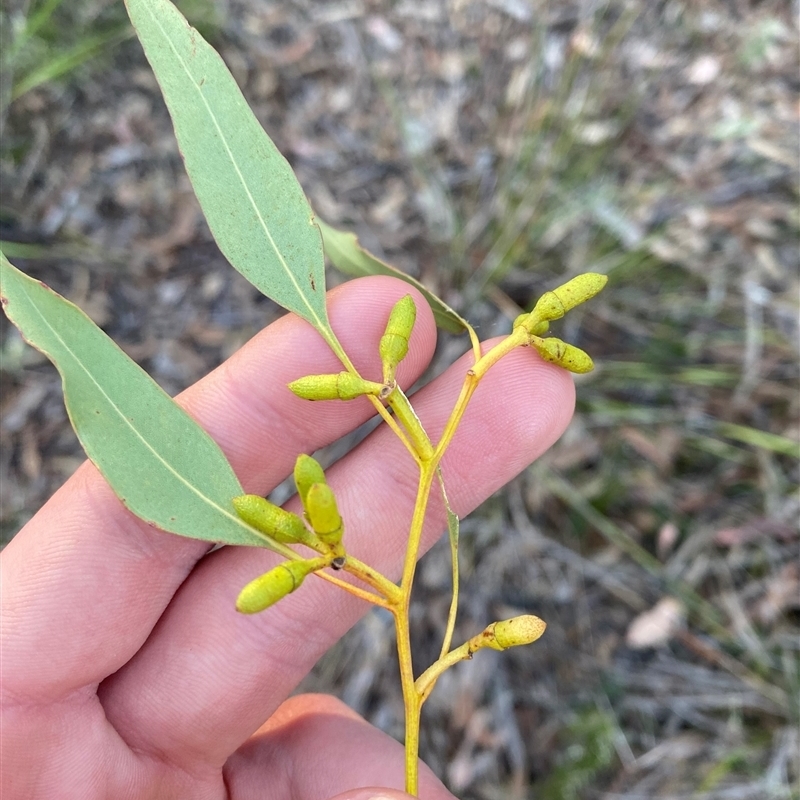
(127, 422)
(223, 139)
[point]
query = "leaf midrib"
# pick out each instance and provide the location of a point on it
(127, 422)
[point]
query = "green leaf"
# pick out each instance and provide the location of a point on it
(254, 205)
(348, 256)
(163, 466)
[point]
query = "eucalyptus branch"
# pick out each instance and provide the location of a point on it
(527, 331)
(169, 471)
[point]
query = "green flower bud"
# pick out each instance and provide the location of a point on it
(276, 522)
(514, 632)
(580, 289)
(307, 472)
(323, 513)
(393, 346)
(540, 328)
(274, 585)
(565, 355)
(553, 305)
(342, 386)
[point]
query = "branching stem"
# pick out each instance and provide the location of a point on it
(397, 598)
(338, 350)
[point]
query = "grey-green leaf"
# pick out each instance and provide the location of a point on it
(163, 466)
(348, 256)
(254, 205)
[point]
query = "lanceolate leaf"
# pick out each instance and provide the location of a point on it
(254, 205)
(159, 461)
(348, 256)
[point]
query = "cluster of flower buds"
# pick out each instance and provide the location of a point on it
(393, 348)
(553, 305)
(324, 535)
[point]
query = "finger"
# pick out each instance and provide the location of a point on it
(84, 582)
(209, 676)
(315, 747)
(375, 793)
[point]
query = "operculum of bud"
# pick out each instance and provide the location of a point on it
(580, 289)
(307, 472)
(323, 513)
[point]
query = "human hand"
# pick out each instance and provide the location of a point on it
(128, 673)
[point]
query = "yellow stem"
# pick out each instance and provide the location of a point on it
(427, 472)
(473, 377)
(398, 402)
(391, 591)
(338, 350)
(425, 683)
(363, 594)
(412, 696)
(392, 423)
(397, 599)
(411, 700)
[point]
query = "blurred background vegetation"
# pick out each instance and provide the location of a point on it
(493, 149)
